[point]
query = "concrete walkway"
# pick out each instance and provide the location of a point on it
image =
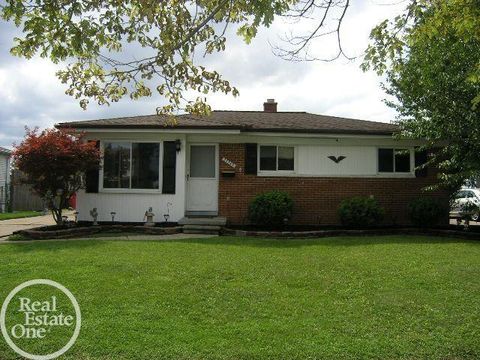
(7, 227)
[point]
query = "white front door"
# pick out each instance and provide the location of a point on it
(202, 180)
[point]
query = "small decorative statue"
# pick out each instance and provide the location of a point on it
(94, 215)
(149, 216)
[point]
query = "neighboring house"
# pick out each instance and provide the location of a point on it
(4, 178)
(215, 165)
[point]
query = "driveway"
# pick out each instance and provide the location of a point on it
(7, 227)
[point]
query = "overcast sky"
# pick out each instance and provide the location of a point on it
(31, 95)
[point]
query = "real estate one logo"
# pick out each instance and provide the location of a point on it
(34, 319)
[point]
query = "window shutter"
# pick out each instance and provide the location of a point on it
(169, 167)
(92, 176)
(421, 157)
(251, 159)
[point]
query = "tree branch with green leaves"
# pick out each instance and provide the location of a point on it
(430, 57)
(93, 36)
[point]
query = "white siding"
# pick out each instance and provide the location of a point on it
(130, 205)
(359, 160)
(3, 168)
(4, 180)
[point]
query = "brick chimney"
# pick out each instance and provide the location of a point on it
(270, 106)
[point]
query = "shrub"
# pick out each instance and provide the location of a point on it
(360, 212)
(426, 212)
(271, 208)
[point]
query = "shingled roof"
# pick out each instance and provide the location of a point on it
(246, 121)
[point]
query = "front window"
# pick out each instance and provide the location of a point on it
(131, 165)
(116, 166)
(393, 160)
(277, 158)
(145, 166)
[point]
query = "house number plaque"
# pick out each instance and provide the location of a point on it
(229, 162)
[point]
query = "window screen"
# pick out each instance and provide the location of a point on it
(145, 165)
(116, 166)
(131, 165)
(273, 158)
(385, 160)
(285, 158)
(268, 158)
(402, 160)
(202, 161)
(394, 160)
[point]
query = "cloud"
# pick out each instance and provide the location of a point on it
(33, 96)
(8, 32)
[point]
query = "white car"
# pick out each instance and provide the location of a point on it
(466, 202)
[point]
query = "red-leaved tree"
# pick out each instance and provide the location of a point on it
(54, 163)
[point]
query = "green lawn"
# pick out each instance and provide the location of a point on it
(393, 297)
(19, 214)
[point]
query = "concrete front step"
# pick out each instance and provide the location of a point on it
(202, 227)
(208, 221)
(201, 232)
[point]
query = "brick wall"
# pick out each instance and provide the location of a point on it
(316, 198)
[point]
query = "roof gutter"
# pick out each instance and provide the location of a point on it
(226, 130)
(319, 132)
(156, 130)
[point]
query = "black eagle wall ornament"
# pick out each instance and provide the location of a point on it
(336, 159)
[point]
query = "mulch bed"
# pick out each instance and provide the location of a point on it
(58, 232)
(444, 232)
(65, 232)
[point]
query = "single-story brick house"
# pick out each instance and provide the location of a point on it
(215, 165)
